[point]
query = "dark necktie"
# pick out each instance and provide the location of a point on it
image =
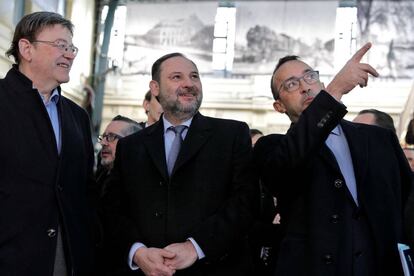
(175, 147)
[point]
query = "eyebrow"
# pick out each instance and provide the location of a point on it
(303, 72)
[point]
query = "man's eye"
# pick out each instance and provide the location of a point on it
(290, 84)
(195, 76)
(175, 77)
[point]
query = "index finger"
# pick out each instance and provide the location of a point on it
(361, 52)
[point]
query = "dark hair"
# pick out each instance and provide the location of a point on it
(133, 125)
(382, 119)
(409, 137)
(254, 132)
(31, 25)
(148, 96)
(281, 61)
(156, 67)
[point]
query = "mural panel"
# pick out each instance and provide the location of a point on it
(267, 31)
(154, 29)
(389, 25)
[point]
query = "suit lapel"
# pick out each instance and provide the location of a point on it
(154, 142)
(37, 113)
(198, 133)
(328, 156)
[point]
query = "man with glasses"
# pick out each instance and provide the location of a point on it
(47, 160)
(109, 263)
(118, 128)
(341, 187)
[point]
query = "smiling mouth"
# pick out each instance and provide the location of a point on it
(188, 96)
(63, 65)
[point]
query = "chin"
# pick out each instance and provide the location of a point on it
(63, 79)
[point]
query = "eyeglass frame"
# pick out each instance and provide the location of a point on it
(63, 48)
(283, 85)
(110, 137)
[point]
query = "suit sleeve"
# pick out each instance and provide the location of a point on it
(292, 152)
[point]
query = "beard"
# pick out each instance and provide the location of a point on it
(107, 163)
(180, 110)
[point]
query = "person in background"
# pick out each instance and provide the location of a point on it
(152, 108)
(118, 128)
(409, 154)
(109, 263)
(376, 118)
(255, 134)
(46, 178)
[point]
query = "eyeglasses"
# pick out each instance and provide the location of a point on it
(62, 45)
(110, 137)
(293, 83)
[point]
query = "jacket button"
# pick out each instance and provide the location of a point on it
(328, 259)
(60, 188)
(338, 183)
(51, 232)
(158, 214)
(161, 183)
(334, 218)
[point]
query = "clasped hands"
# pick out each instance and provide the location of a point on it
(164, 262)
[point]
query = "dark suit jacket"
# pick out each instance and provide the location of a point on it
(322, 224)
(40, 189)
(209, 197)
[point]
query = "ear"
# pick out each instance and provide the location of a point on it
(154, 87)
(25, 49)
(145, 104)
(279, 106)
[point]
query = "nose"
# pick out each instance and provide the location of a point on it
(69, 54)
(187, 82)
(103, 142)
(304, 87)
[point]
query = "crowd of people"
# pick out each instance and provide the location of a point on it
(188, 194)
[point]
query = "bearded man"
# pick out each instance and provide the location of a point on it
(181, 195)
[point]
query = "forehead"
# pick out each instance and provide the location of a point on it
(365, 118)
(56, 31)
(292, 68)
(177, 65)
(116, 127)
(409, 152)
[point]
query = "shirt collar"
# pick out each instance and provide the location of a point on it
(167, 124)
(337, 130)
(53, 98)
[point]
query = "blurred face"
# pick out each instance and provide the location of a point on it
(365, 118)
(409, 153)
(255, 138)
(179, 90)
(293, 103)
(109, 147)
(153, 109)
(48, 66)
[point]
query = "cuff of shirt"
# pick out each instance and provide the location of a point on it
(200, 252)
(131, 254)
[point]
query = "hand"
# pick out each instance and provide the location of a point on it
(185, 255)
(352, 74)
(151, 261)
